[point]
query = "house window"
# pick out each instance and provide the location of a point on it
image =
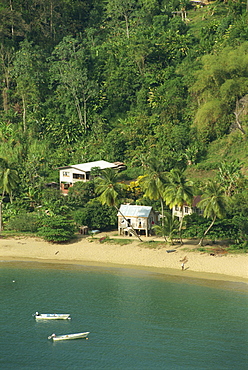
(78, 176)
(186, 209)
(87, 175)
(176, 208)
(66, 174)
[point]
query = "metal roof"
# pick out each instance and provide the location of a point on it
(134, 211)
(86, 167)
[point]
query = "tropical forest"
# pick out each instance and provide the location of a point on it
(158, 85)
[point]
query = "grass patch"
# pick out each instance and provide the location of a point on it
(152, 244)
(187, 249)
(237, 249)
(217, 251)
(107, 239)
(203, 249)
(16, 234)
(120, 241)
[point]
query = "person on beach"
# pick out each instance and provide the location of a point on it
(182, 266)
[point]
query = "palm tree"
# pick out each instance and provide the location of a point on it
(213, 204)
(153, 182)
(8, 182)
(178, 192)
(168, 229)
(109, 190)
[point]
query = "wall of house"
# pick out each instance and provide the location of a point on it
(71, 176)
(152, 220)
(178, 212)
(65, 175)
(136, 222)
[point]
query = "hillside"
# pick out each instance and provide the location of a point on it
(159, 82)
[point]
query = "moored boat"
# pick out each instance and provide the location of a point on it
(55, 337)
(52, 316)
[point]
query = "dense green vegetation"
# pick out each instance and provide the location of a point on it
(129, 81)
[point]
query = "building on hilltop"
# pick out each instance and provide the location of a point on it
(69, 175)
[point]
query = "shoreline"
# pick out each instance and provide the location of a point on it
(157, 270)
(90, 252)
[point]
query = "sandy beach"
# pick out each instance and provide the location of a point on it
(88, 251)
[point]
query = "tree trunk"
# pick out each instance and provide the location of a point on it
(78, 108)
(180, 227)
(137, 236)
(12, 25)
(51, 19)
(85, 114)
(162, 223)
(6, 59)
(1, 222)
(205, 233)
(1, 208)
(162, 210)
(5, 98)
(24, 113)
(127, 27)
(237, 113)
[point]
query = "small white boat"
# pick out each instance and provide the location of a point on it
(55, 337)
(52, 316)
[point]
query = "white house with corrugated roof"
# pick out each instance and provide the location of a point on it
(69, 175)
(141, 218)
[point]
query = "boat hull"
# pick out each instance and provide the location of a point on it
(52, 316)
(69, 336)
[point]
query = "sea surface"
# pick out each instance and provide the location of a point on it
(136, 319)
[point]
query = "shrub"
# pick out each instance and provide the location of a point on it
(95, 216)
(222, 229)
(241, 247)
(195, 225)
(54, 202)
(57, 229)
(25, 222)
(80, 193)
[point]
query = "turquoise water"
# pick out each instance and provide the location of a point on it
(136, 319)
